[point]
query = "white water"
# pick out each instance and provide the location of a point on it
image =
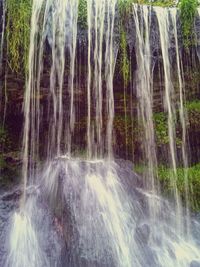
(169, 101)
(182, 114)
(99, 219)
(142, 16)
(101, 16)
(93, 207)
(24, 245)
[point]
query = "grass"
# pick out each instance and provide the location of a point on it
(188, 10)
(164, 175)
(17, 34)
(193, 106)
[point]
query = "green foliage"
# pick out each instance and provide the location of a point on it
(193, 106)
(161, 3)
(161, 128)
(188, 10)
(18, 34)
(82, 14)
(164, 174)
(193, 110)
(5, 145)
(164, 3)
(4, 139)
(126, 133)
(125, 6)
(2, 162)
(124, 62)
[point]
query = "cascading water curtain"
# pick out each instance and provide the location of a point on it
(55, 22)
(171, 103)
(59, 26)
(90, 211)
(101, 18)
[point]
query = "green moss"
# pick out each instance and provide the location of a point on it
(125, 64)
(193, 110)
(193, 106)
(18, 34)
(5, 142)
(164, 174)
(161, 129)
(2, 162)
(188, 9)
(82, 14)
(125, 4)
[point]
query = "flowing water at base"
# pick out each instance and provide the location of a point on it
(95, 213)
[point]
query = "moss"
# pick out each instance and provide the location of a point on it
(164, 174)
(125, 63)
(82, 14)
(5, 142)
(193, 110)
(161, 129)
(188, 10)
(18, 34)
(193, 106)
(125, 4)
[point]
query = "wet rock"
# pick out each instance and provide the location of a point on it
(195, 263)
(150, 257)
(142, 233)
(125, 170)
(15, 195)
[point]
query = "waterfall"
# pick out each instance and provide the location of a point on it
(144, 87)
(101, 17)
(182, 113)
(169, 98)
(93, 210)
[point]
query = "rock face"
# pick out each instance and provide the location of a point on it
(15, 84)
(195, 263)
(142, 233)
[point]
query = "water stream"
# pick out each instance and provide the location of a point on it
(94, 211)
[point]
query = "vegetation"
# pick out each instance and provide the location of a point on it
(5, 142)
(164, 174)
(82, 14)
(17, 34)
(161, 129)
(193, 109)
(193, 181)
(188, 10)
(125, 63)
(193, 106)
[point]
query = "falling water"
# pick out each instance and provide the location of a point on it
(92, 212)
(164, 23)
(182, 113)
(101, 17)
(144, 86)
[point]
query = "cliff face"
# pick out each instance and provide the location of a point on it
(125, 99)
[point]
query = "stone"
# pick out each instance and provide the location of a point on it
(142, 233)
(195, 263)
